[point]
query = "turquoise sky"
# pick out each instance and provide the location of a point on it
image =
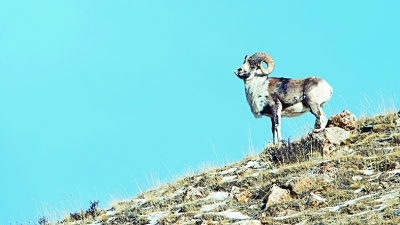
(98, 99)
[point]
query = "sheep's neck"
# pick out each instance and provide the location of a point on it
(256, 93)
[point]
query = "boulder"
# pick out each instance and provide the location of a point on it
(336, 135)
(278, 195)
(331, 137)
(345, 120)
(302, 185)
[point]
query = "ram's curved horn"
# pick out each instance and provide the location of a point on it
(264, 57)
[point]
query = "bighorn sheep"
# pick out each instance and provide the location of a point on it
(282, 97)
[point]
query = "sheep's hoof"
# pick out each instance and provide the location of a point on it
(270, 145)
(277, 144)
(318, 130)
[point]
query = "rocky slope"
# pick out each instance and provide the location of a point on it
(349, 174)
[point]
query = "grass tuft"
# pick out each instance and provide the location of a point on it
(294, 152)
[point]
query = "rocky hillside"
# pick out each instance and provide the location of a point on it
(348, 174)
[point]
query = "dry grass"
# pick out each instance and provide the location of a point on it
(379, 104)
(356, 183)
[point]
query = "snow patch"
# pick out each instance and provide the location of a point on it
(111, 213)
(386, 197)
(233, 215)
(95, 223)
(155, 216)
(363, 213)
(231, 170)
(252, 164)
(219, 196)
(358, 190)
(178, 192)
(139, 201)
(230, 178)
(287, 217)
(394, 171)
(350, 202)
(366, 172)
(357, 178)
(208, 208)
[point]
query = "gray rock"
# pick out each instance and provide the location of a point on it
(336, 135)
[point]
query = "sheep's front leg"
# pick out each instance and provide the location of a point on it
(276, 122)
(273, 129)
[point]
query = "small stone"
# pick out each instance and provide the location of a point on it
(286, 213)
(192, 194)
(318, 198)
(241, 197)
(209, 222)
(249, 222)
(327, 169)
(367, 128)
(244, 197)
(357, 178)
(182, 220)
(235, 191)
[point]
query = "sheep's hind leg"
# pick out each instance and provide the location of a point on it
(321, 120)
(276, 129)
(273, 129)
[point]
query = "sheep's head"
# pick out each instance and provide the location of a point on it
(253, 66)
